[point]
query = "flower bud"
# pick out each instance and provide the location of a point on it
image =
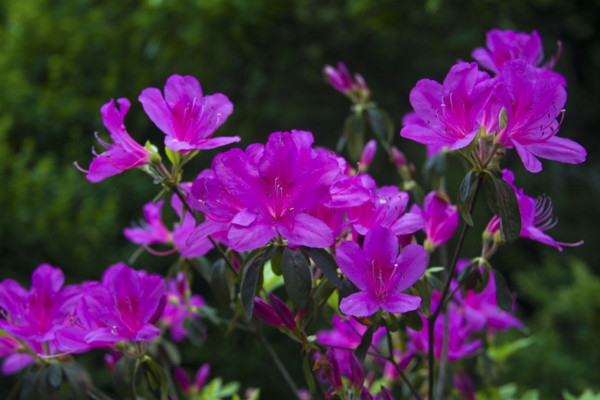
(357, 377)
(266, 313)
(201, 376)
(368, 154)
(282, 311)
(339, 78)
(182, 379)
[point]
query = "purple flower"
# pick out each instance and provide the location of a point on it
(181, 305)
(450, 110)
(125, 306)
(266, 313)
(124, 153)
(532, 102)
(386, 208)
(441, 218)
(199, 380)
(464, 385)
(368, 154)
(151, 230)
(536, 216)
(277, 184)
(380, 274)
(503, 46)
(188, 118)
(412, 118)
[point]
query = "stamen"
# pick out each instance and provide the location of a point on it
(159, 253)
(85, 171)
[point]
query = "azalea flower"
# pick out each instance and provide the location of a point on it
(187, 117)
(451, 110)
(380, 274)
(181, 305)
(533, 102)
(124, 306)
(124, 153)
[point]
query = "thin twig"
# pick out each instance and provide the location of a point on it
(279, 364)
(390, 358)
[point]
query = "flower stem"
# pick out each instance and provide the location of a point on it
(279, 364)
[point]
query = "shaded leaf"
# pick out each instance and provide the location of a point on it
(510, 216)
(465, 194)
(248, 287)
(325, 262)
(413, 320)
(381, 123)
(296, 277)
(219, 282)
(503, 296)
(308, 376)
(365, 343)
(354, 132)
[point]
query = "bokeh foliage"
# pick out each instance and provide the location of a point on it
(60, 61)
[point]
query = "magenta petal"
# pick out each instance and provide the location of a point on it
(146, 333)
(381, 246)
(252, 237)
(353, 264)
(531, 163)
(156, 108)
(411, 267)
(360, 304)
(400, 303)
(559, 149)
(306, 230)
(424, 135)
(213, 143)
(16, 362)
(408, 224)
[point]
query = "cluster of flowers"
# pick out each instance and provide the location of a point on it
(293, 194)
(517, 108)
(51, 320)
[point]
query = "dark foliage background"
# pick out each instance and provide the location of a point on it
(60, 61)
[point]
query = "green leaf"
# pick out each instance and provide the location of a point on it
(510, 216)
(78, 381)
(503, 296)
(219, 283)
(323, 291)
(229, 389)
(424, 292)
(155, 378)
(54, 375)
(354, 132)
(465, 194)
(381, 123)
(365, 343)
(173, 156)
(489, 188)
(413, 320)
(248, 287)
(297, 278)
(276, 262)
(325, 262)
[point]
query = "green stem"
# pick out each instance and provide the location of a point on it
(279, 364)
(390, 358)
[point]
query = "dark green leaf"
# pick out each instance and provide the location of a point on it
(54, 375)
(296, 277)
(354, 132)
(78, 381)
(510, 216)
(491, 195)
(381, 123)
(391, 322)
(413, 320)
(248, 287)
(326, 264)
(424, 292)
(155, 378)
(276, 262)
(219, 282)
(365, 343)
(503, 296)
(465, 194)
(250, 258)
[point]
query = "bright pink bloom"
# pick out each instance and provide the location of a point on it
(386, 208)
(532, 102)
(380, 274)
(412, 118)
(536, 216)
(199, 380)
(450, 110)
(503, 46)
(441, 218)
(124, 153)
(188, 118)
(276, 184)
(181, 305)
(152, 230)
(125, 306)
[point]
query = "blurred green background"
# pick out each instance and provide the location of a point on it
(60, 61)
